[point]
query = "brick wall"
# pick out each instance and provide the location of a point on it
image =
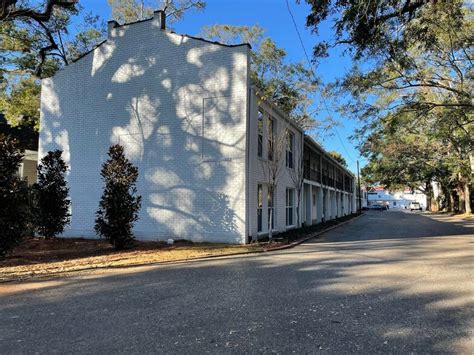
(179, 107)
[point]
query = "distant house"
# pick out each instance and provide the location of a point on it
(396, 199)
(189, 117)
(28, 141)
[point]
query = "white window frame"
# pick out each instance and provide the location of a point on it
(290, 206)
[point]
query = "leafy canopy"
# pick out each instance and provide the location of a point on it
(291, 86)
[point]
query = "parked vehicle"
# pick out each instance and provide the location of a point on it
(415, 206)
(377, 206)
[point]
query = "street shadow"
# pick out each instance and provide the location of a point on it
(334, 297)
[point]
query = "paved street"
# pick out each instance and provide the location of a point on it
(387, 282)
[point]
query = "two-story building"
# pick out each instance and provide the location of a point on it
(189, 118)
(329, 187)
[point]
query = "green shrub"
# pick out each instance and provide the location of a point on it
(119, 204)
(14, 197)
(51, 196)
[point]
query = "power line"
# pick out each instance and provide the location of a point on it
(314, 75)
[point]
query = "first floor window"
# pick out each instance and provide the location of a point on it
(259, 207)
(271, 210)
(290, 197)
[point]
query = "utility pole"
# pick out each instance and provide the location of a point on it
(358, 182)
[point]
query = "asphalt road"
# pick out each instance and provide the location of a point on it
(387, 282)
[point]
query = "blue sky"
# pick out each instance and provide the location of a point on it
(272, 15)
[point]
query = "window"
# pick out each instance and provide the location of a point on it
(271, 136)
(271, 210)
(260, 133)
(259, 207)
(290, 197)
(290, 138)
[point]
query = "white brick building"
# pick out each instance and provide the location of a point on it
(187, 115)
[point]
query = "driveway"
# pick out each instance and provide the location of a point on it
(387, 282)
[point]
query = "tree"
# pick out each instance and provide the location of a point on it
(52, 196)
(20, 106)
(412, 59)
(290, 85)
(272, 169)
(35, 45)
(364, 26)
(338, 157)
(297, 177)
(14, 199)
(126, 11)
(119, 204)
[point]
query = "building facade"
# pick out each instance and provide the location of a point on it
(189, 118)
(400, 199)
(329, 187)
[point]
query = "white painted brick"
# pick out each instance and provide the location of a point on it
(146, 89)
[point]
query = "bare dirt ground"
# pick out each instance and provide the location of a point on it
(38, 257)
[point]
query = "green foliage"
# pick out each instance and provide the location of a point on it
(119, 204)
(33, 48)
(126, 11)
(338, 157)
(14, 197)
(51, 196)
(291, 86)
(410, 86)
(20, 106)
(365, 26)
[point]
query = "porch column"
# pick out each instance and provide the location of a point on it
(308, 204)
(319, 204)
(333, 204)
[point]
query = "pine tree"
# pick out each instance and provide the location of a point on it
(52, 202)
(14, 198)
(119, 204)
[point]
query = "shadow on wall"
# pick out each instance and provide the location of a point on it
(178, 106)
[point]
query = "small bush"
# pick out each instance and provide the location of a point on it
(51, 196)
(14, 197)
(119, 204)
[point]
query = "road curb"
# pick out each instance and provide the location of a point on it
(282, 247)
(312, 235)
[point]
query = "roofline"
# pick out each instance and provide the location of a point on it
(179, 34)
(276, 108)
(170, 32)
(89, 51)
(318, 146)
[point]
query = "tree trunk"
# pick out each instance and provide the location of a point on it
(461, 198)
(429, 195)
(450, 202)
(467, 198)
(270, 229)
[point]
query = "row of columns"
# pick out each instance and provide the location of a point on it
(324, 204)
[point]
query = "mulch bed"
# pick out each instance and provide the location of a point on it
(40, 250)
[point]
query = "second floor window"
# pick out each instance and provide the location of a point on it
(271, 137)
(290, 138)
(260, 133)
